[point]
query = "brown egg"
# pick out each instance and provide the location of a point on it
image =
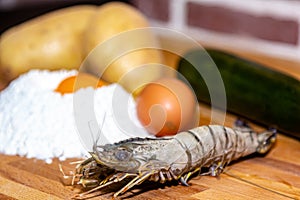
(167, 106)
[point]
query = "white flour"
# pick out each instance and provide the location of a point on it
(37, 122)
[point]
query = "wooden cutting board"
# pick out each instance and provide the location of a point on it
(274, 176)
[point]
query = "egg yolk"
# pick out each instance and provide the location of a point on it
(82, 80)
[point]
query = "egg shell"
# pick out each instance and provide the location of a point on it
(167, 106)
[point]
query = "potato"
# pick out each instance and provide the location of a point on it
(115, 29)
(51, 41)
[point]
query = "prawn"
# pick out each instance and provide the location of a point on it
(177, 157)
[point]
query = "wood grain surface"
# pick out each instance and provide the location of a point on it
(273, 176)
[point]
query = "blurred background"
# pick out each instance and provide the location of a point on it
(13, 12)
(267, 27)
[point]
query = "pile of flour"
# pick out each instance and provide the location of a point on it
(37, 122)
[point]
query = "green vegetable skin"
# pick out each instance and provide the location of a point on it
(253, 91)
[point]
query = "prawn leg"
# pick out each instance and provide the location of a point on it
(113, 179)
(136, 181)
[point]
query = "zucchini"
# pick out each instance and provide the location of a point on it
(253, 91)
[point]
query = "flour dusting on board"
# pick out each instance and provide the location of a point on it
(37, 122)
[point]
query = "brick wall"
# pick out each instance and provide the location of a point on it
(270, 27)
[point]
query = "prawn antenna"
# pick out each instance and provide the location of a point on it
(96, 131)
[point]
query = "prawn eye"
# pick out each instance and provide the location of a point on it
(122, 155)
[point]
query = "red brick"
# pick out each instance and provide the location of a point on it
(231, 21)
(156, 9)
